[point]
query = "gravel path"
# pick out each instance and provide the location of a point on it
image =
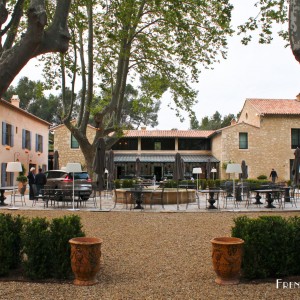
(151, 256)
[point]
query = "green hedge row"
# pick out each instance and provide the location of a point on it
(203, 183)
(271, 246)
(38, 246)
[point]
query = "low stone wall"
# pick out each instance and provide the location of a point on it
(170, 196)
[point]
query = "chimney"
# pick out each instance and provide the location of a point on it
(15, 100)
(298, 97)
(233, 122)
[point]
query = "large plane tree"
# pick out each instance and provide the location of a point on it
(23, 39)
(157, 45)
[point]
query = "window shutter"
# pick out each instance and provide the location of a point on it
(3, 133)
(3, 173)
(42, 144)
(12, 135)
(30, 139)
(23, 138)
(36, 142)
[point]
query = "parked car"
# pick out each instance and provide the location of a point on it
(59, 179)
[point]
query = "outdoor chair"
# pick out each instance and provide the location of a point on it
(20, 195)
(36, 195)
(293, 197)
(228, 194)
(120, 197)
(95, 191)
(192, 196)
(157, 196)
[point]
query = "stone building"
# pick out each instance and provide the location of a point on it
(265, 137)
(68, 147)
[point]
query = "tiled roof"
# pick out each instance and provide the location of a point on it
(276, 106)
(169, 133)
(146, 158)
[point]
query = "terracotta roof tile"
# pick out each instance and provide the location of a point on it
(169, 133)
(276, 106)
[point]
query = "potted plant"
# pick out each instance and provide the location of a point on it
(22, 179)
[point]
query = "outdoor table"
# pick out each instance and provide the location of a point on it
(211, 200)
(137, 195)
(269, 198)
(2, 191)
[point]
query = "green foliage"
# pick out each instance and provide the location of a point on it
(127, 183)
(37, 249)
(62, 230)
(10, 228)
(46, 249)
(212, 123)
(22, 178)
(117, 183)
(262, 177)
(268, 14)
(271, 246)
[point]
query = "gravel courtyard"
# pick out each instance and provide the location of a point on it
(159, 255)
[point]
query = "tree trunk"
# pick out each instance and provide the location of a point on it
(36, 40)
(294, 27)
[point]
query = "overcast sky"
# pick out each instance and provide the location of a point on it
(253, 71)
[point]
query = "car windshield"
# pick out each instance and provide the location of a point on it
(55, 174)
(83, 176)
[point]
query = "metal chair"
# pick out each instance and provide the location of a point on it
(192, 196)
(292, 199)
(36, 195)
(120, 197)
(20, 195)
(157, 196)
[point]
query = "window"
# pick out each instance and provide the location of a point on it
(157, 145)
(74, 143)
(7, 178)
(7, 134)
(295, 138)
(38, 143)
(26, 139)
(163, 144)
(243, 140)
(126, 144)
(194, 144)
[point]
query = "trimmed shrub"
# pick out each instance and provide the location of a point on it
(37, 249)
(10, 228)
(269, 249)
(62, 230)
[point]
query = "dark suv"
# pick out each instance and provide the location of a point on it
(59, 179)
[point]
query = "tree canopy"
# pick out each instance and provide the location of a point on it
(153, 45)
(212, 123)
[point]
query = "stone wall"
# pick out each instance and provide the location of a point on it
(62, 143)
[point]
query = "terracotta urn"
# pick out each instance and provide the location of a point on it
(227, 259)
(85, 259)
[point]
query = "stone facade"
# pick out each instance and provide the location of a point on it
(268, 124)
(62, 143)
(269, 142)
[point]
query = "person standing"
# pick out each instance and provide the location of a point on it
(31, 181)
(40, 181)
(273, 175)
